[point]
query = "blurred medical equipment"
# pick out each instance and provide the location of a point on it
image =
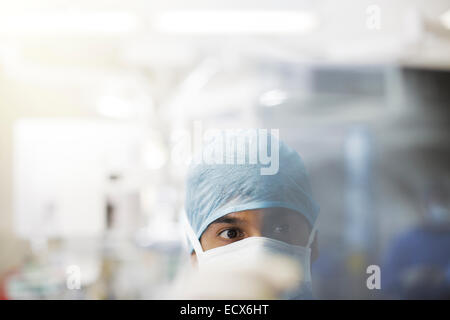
(87, 210)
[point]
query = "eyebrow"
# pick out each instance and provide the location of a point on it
(226, 219)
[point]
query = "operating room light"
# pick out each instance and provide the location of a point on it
(273, 98)
(153, 156)
(57, 23)
(114, 107)
(236, 22)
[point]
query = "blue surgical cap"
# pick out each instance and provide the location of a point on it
(214, 189)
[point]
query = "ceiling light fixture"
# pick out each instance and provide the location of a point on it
(236, 22)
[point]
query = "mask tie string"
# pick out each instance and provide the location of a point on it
(191, 236)
(312, 235)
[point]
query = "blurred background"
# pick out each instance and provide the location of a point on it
(98, 104)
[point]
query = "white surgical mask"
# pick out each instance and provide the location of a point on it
(252, 248)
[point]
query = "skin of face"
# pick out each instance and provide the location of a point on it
(276, 223)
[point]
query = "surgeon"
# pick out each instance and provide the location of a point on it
(417, 262)
(235, 209)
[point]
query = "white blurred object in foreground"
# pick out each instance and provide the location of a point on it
(264, 277)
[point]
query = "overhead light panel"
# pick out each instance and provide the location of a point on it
(236, 22)
(273, 98)
(63, 23)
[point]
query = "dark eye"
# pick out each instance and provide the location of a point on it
(229, 233)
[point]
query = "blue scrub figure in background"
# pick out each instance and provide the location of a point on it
(417, 265)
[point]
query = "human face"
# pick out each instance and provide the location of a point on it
(275, 223)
